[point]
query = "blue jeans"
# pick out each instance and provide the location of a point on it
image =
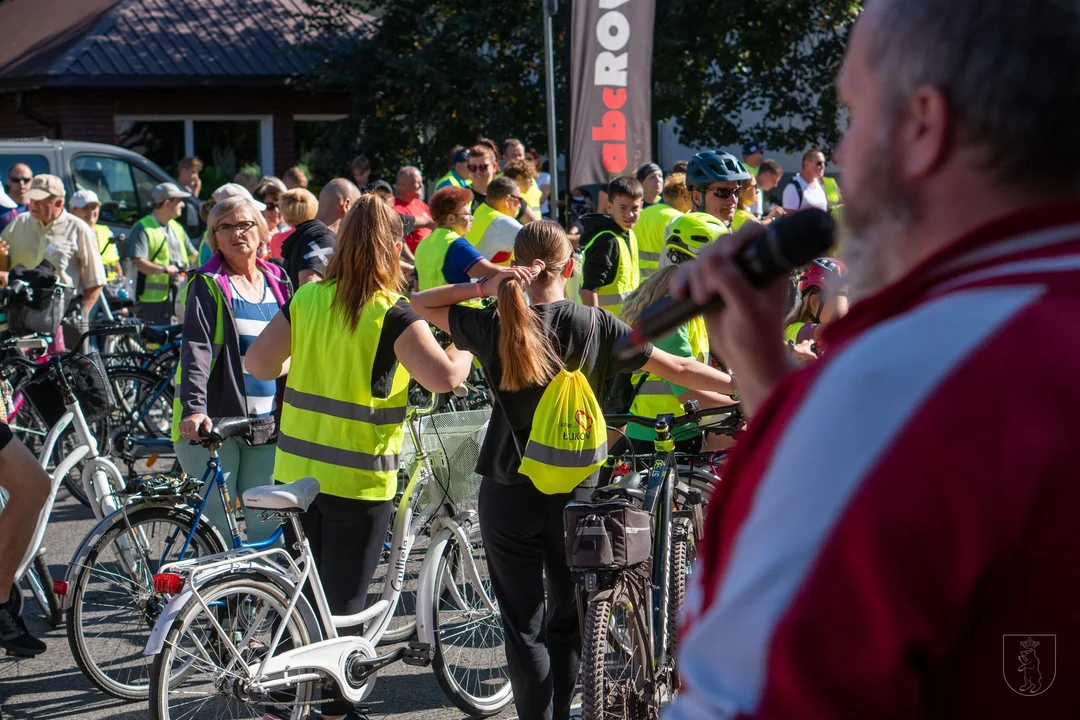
(244, 467)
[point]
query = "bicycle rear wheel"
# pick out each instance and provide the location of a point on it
(113, 603)
(470, 654)
(683, 554)
(616, 666)
(196, 675)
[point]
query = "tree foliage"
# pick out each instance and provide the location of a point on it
(434, 73)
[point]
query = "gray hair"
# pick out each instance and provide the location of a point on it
(1008, 69)
(227, 206)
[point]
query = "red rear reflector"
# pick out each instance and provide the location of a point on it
(168, 583)
(621, 469)
(60, 587)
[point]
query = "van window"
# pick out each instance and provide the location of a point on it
(38, 164)
(124, 189)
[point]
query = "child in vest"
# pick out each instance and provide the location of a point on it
(610, 270)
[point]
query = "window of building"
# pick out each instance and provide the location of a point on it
(311, 133)
(159, 141)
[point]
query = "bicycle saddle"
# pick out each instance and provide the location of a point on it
(161, 334)
(291, 497)
(628, 485)
(229, 427)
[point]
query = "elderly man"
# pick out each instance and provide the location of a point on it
(48, 232)
(307, 251)
(902, 514)
(18, 184)
(86, 206)
(161, 251)
(407, 202)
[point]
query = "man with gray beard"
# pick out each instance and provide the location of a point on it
(898, 532)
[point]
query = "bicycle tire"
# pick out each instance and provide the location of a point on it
(105, 678)
(604, 697)
(135, 387)
(40, 581)
(452, 587)
(683, 554)
(162, 680)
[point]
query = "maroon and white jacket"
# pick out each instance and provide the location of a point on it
(903, 512)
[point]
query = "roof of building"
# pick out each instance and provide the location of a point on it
(110, 43)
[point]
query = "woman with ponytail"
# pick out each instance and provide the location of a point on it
(532, 334)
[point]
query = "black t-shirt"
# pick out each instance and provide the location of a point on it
(479, 199)
(398, 318)
(602, 256)
(308, 248)
(568, 327)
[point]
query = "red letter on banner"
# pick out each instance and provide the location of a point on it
(614, 157)
(614, 98)
(612, 127)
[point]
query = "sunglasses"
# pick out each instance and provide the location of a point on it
(271, 205)
(20, 179)
(724, 193)
(515, 197)
(478, 168)
(820, 163)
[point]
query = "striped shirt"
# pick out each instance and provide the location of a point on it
(251, 318)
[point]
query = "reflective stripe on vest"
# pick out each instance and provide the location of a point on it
(156, 287)
(333, 428)
(649, 232)
(482, 219)
(452, 179)
(627, 276)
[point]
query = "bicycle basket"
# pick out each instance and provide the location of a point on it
(86, 374)
(453, 442)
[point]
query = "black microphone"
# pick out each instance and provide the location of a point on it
(788, 243)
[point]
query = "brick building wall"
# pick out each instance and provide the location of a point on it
(90, 114)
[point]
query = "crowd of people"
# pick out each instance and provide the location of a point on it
(845, 529)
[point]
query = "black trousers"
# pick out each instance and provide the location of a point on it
(346, 538)
(522, 529)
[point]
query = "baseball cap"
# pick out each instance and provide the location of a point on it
(460, 156)
(753, 147)
(229, 190)
(42, 187)
(382, 185)
(167, 191)
(6, 202)
(646, 170)
(82, 198)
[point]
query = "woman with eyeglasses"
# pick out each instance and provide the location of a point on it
(445, 257)
(228, 301)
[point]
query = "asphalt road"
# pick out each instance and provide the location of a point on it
(51, 686)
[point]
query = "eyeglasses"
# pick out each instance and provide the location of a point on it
(243, 227)
(515, 197)
(724, 193)
(463, 215)
(478, 168)
(20, 179)
(819, 163)
(271, 206)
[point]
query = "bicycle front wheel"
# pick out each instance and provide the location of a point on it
(196, 674)
(113, 602)
(470, 654)
(616, 667)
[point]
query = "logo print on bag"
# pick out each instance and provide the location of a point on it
(584, 419)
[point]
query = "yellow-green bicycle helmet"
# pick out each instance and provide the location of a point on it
(689, 235)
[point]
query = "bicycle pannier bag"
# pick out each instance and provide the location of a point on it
(568, 439)
(606, 536)
(41, 309)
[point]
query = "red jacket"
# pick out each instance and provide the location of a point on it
(904, 513)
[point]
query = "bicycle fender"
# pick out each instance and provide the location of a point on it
(156, 641)
(425, 586)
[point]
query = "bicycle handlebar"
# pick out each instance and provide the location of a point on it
(120, 327)
(692, 414)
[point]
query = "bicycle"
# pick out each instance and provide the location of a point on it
(108, 589)
(64, 376)
(248, 663)
(631, 608)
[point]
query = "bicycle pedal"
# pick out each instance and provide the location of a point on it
(419, 654)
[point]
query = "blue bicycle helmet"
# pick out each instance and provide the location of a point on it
(709, 167)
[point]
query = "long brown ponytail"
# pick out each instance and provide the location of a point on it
(525, 352)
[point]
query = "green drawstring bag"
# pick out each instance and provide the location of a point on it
(568, 439)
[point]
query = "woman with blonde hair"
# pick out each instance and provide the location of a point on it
(532, 334)
(297, 206)
(349, 345)
(228, 301)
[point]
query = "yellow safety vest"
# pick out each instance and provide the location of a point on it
(110, 255)
(649, 232)
(533, 196)
(832, 192)
(656, 396)
(741, 216)
(452, 179)
(627, 276)
(482, 219)
(156, 287)
(332, 427)
(430, 258)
